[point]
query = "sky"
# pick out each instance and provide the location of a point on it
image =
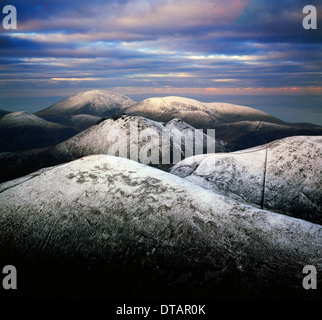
(250, 52)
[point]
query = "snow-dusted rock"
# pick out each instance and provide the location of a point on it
(22, 131)
(294, 177)
(99, 103)
(114, 226)
(283, 176)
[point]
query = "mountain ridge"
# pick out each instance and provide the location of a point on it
(99, 103)
(216, 111)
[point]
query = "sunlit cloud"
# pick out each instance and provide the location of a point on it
(225, 80)
(76, 79)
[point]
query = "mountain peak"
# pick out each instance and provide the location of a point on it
(94, 102)
(22, 118)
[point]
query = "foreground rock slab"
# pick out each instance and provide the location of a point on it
(104, 226)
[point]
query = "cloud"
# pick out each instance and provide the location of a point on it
(214, 46)
(141, 16)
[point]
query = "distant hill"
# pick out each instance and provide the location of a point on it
(81, 122)
(23, 131)
(94, 139)
(247, 134)
(97, 103)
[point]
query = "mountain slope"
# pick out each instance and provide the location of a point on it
(99, 103)
(22, 131)
(81, 122)
(283, 176)
(108, 227)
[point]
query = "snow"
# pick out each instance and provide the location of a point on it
(93, 206)
(94, 102)
(101, 138)
(294, 177)
(246, 182)
(283, 176)
(185, 107)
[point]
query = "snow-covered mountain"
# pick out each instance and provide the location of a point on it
(22, 131)
(94, 140)
(283, 176)
(245, 127)
(105, 226)
(196, 113)
(99, 103)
